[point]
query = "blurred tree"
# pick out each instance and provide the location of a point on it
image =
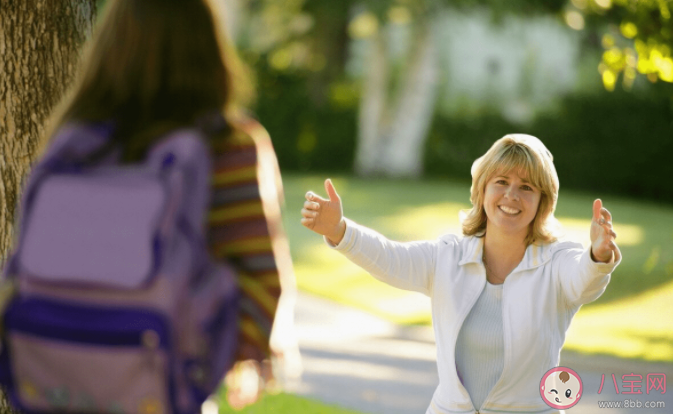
(639, 38)
(398, 40)
(399, 87)
(398, 92)
(39, 45)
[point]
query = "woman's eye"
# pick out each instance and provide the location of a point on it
(527, 188)
(503, 182)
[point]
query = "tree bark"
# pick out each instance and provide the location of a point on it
(39, 48)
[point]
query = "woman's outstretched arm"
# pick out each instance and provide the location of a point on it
(584, 275)
(408, 266)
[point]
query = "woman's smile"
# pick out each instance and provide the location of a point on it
(509, 210)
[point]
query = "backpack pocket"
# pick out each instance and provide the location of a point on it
(97, 230)
(86, 359)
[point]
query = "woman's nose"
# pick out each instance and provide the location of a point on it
(512, 193)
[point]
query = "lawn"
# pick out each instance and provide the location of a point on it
(282, 404)
(632, 319)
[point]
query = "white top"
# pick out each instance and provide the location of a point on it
(480, 353)
(539, 299)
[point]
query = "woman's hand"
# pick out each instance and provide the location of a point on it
(603, 246)
(324, 217)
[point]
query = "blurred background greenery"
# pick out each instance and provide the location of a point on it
(420, 88)
(404, 88)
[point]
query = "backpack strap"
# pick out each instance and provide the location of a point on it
(186, 150)
(74, 145)
(184, 155)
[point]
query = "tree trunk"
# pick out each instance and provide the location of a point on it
(39, 45)
(372, 109)
(403, 155)
(393, 129)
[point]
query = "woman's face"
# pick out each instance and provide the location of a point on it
(511, 203)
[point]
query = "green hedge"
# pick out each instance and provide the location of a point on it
(608, 142)
(618, 143)
(309, 133)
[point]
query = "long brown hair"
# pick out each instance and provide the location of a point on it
(516, 152)
(152, 65)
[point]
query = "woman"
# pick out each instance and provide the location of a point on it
(156, 65)
(504, 293)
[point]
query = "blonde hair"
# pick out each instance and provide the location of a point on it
(518, 152)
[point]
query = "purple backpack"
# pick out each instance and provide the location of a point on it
(116, 306)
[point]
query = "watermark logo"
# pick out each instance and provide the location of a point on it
(633, 383)
(561, 388)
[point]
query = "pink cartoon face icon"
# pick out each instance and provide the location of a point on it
(561, 388)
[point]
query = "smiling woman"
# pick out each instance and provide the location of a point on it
(504, 292)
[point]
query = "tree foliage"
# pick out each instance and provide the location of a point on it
(315, 41)
(312, 36)
(639, 39)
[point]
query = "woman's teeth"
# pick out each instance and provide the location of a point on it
(509, 210)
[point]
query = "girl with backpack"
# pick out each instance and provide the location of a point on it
(154, 67)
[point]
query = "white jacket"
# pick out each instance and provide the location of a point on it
(540, 298)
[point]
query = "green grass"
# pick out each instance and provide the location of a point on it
(632, 319)
(283, 404)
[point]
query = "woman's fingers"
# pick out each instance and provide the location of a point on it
(606, 216)
(308, 213)
(601, 215)
(608, 233)
(311, 209)
(324, 215)
(598, 205)
(311, 196)
(602, 234)
(331, 191)
(308, 222)
(606, 223)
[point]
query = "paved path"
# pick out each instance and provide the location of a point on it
(359, 361)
